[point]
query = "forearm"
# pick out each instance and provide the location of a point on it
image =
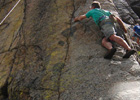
(81, 17)
(121, 24)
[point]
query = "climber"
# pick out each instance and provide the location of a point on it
(103, 19)
(136, 33)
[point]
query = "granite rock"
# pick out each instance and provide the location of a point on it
(44, 55)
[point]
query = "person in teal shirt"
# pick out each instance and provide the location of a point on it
(97, 14)
(102, 19)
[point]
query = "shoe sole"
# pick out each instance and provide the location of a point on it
(129, 53)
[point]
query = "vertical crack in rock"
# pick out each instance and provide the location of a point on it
(4, 88)
(58, 70)
(67, 50)
(24, 20)
(22, 52)
(20, 29)
(11, 68)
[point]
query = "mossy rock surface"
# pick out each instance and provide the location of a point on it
(44, 55)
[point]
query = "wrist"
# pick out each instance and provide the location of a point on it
(76, 19)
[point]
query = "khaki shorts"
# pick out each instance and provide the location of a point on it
(107, 28)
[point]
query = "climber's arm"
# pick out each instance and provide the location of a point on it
(81, 17)
(121, 24)
(119, 21)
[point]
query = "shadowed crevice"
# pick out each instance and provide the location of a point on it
(4, 91)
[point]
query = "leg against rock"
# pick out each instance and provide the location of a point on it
(120, 41)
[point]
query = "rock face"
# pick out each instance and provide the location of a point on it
(44, 55)
(126, 13)
(135, 5)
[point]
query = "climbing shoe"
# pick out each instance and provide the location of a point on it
(129, 53)
(110, 53)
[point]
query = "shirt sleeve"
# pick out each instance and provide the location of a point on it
(107, 13)
(88, 14)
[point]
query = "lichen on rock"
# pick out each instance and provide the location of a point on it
(44, 55)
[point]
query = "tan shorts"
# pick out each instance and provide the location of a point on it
(107, 28)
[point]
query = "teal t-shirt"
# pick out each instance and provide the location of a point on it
(96, 14)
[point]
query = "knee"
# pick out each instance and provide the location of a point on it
(103, 41)
(112, 37)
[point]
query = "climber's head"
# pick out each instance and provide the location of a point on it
(95, 4)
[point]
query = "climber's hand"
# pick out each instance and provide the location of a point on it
(76, 19)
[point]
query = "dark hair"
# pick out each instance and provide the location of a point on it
(96, 4)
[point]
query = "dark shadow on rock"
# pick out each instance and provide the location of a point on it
(69, 32)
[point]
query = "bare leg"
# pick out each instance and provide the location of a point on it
(111, 50)
(106, 44)
(120, 41)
